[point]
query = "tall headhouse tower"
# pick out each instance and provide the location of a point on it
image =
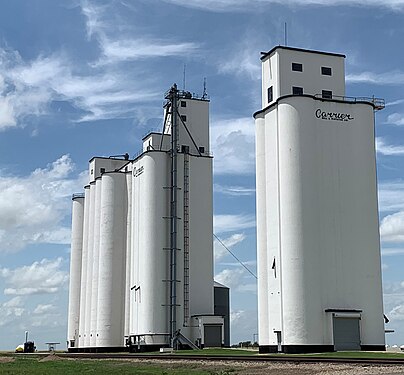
(141, 270)
(319, 269)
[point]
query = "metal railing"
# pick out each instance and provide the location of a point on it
(377, 102)
(77, 195)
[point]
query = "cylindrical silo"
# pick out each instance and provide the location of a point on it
(150, 289)
(83, 284)
(90, 262)
(96, 257)
(111, 288)
(75, 271)
(262, 261)
(128, 262)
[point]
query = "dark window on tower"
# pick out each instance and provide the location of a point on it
(270, 94)
(297, 90)
(183, 104)
(325, 71)
(326, 94)
(183, 118)
(102, 170)
(297, 67)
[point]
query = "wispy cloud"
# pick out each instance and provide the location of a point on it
(235, 191)
(384, 148)
(391, 196)
(395, 119)
(233, 145)
(392, 252)
(43, 277)
(33, 207)
(232, 223)
(388, 78)
(251, 5)
(220, 251)
(395, 102)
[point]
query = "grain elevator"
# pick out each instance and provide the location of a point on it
(142, 242)
(319, 268)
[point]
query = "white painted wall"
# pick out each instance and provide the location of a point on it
(75, 271)
(329, 241)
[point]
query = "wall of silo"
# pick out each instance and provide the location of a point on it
(128, 262)
(96, 260)
(150, 241)
(75, 271)
(111, 284)
(83, 286)
(262, 261)
(201, 235)
(90, 265)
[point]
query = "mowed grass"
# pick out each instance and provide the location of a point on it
(36, 366)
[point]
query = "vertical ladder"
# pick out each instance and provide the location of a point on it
(186, 239)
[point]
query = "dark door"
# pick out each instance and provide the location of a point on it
(346, 333)
(213, 335)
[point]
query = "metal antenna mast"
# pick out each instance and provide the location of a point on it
(173, 99)
(286, 34)
(183, 78)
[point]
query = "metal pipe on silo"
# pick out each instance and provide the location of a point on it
(96, 259)
(90, 263)
(83, 285)
(173, 98)
(75, 270)
(111, 288)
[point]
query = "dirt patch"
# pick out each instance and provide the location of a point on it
(6, 359)
(50, 357)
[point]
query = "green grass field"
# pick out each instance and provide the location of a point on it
(36, 366)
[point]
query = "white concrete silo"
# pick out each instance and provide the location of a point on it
(150, 244)
(75, 271)
(111, 283)
(96, 260)
(90, 265)
(317, 218)
(83, 284)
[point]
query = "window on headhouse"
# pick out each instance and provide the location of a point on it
(270, 94)
(326, 71)
(183, 104)
(102, 170)
(326, 94)
(183, 118)
(297, 67)
(297, 90)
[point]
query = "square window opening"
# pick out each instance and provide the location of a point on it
(183, 118)
(183, 104)
(270, 94)
(297, 90)
(297, 67)
(326, 94)
(326, 71)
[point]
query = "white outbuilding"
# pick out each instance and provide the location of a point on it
(319, 268)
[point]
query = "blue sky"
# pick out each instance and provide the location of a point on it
(85, 78)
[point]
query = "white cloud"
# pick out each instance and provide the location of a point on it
(252, 5)
(397, 313)
(388, 78)
(391, 252)
(233, 190)
(392, 227)
(11, 310)
(233, 145)
(386, 149)
(237, 279)
(244, 325)
(395, 102)
(43, 277)
(44, 309)
(395, 119)
(33, 207)
(229, 242)
(231, 223)
(391, 196)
